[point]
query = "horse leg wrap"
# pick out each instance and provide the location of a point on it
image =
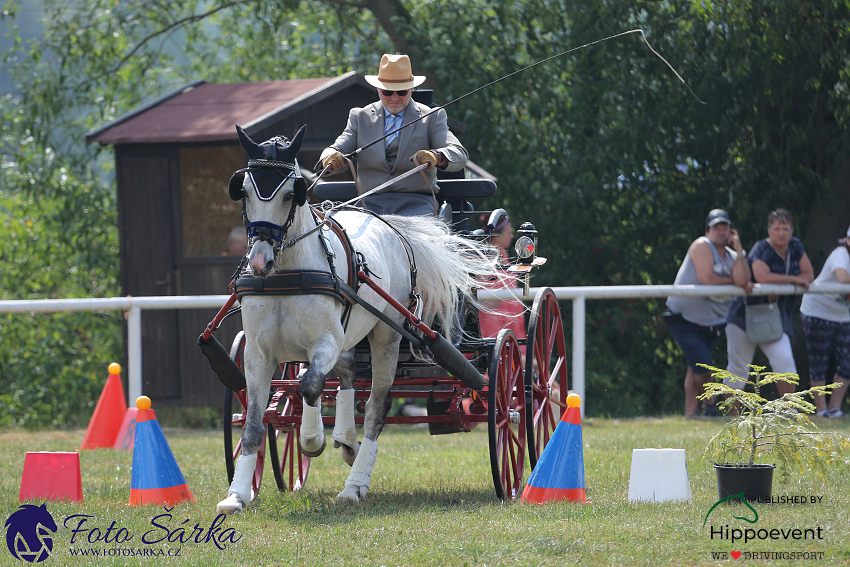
(357, 483)
(312, 438)
(344, 431)
(241, 485)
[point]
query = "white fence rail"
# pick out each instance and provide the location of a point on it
(578, 295)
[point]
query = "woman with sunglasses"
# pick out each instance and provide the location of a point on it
(427, 141)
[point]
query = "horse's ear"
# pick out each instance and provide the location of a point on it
(251, 148)
(293, 147)
(295, 144)
(235, 186)
(300, 192)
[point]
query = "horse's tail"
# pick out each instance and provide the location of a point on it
(449, 268)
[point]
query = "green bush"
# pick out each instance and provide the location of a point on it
(53, 366)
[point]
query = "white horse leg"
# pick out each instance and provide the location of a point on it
(312, 438)
(345, 433)
(357, 483)
(383, 342)
(240, 489)
(239, 494)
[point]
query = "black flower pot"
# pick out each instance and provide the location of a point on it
(755, 481)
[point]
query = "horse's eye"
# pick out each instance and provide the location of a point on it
(287, 197)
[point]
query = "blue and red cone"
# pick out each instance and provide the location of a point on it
(559, 474)
(156, 476)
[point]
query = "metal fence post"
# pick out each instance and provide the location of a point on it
(134, 352)
(578, 349)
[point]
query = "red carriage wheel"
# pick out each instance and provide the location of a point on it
(545, 371)
(231, 420)
(506, 416)
(294, 466)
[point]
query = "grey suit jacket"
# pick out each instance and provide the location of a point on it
(431, 133)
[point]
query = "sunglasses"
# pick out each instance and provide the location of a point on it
(399, 93)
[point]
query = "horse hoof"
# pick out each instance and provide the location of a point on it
(230, 505)
(350, 495)
(310, 450)
(348, 453)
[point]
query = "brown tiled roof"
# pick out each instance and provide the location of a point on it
(204, 112)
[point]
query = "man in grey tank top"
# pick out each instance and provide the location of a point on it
(696, 322)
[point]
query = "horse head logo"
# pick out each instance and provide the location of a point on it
(29, 533)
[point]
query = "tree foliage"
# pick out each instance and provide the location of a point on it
(603, 149)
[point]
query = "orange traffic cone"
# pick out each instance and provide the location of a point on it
(51, 476)
(559, 474)
(156, 476)
(108, 414)
(127, 432)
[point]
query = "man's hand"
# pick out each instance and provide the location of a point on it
(335, 161)
(429, 157)
(735, 241)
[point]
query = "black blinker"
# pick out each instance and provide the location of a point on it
(235, 186)
(300, 192)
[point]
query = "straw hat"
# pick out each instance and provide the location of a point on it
(395, 74)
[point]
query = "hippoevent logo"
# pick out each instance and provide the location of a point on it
(757, 534)
(30, 534)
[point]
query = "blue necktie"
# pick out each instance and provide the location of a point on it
(393, 122)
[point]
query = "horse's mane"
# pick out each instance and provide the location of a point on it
(446, 264)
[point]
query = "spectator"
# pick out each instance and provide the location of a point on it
(826, 323)
(427, 141)
(697, 322)
(237, 242)
(502, 314)
(779, 258)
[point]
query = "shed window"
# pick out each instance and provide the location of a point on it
(208, 214)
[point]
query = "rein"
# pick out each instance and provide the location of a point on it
(472, 92)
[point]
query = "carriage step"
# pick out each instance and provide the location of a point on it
(440, 407)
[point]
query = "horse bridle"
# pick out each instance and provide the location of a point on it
(266, 231)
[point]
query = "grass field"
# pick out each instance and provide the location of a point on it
(431, 502)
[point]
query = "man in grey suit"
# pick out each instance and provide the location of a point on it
(428, 141)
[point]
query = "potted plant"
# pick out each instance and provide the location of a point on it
(778, 429)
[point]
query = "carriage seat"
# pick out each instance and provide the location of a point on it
(451, 190)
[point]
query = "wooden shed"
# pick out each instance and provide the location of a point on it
(174, 157)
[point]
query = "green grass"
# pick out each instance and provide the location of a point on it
(432, 503)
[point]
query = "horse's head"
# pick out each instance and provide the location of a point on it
(270, 180)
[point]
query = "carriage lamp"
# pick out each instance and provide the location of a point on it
(526, 244)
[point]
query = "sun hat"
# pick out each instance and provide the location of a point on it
(717, 216)
(395, 74)
(847, 239)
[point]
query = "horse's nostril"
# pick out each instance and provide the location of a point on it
(269, 265)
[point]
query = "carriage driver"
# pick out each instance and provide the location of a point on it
(429, 141)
